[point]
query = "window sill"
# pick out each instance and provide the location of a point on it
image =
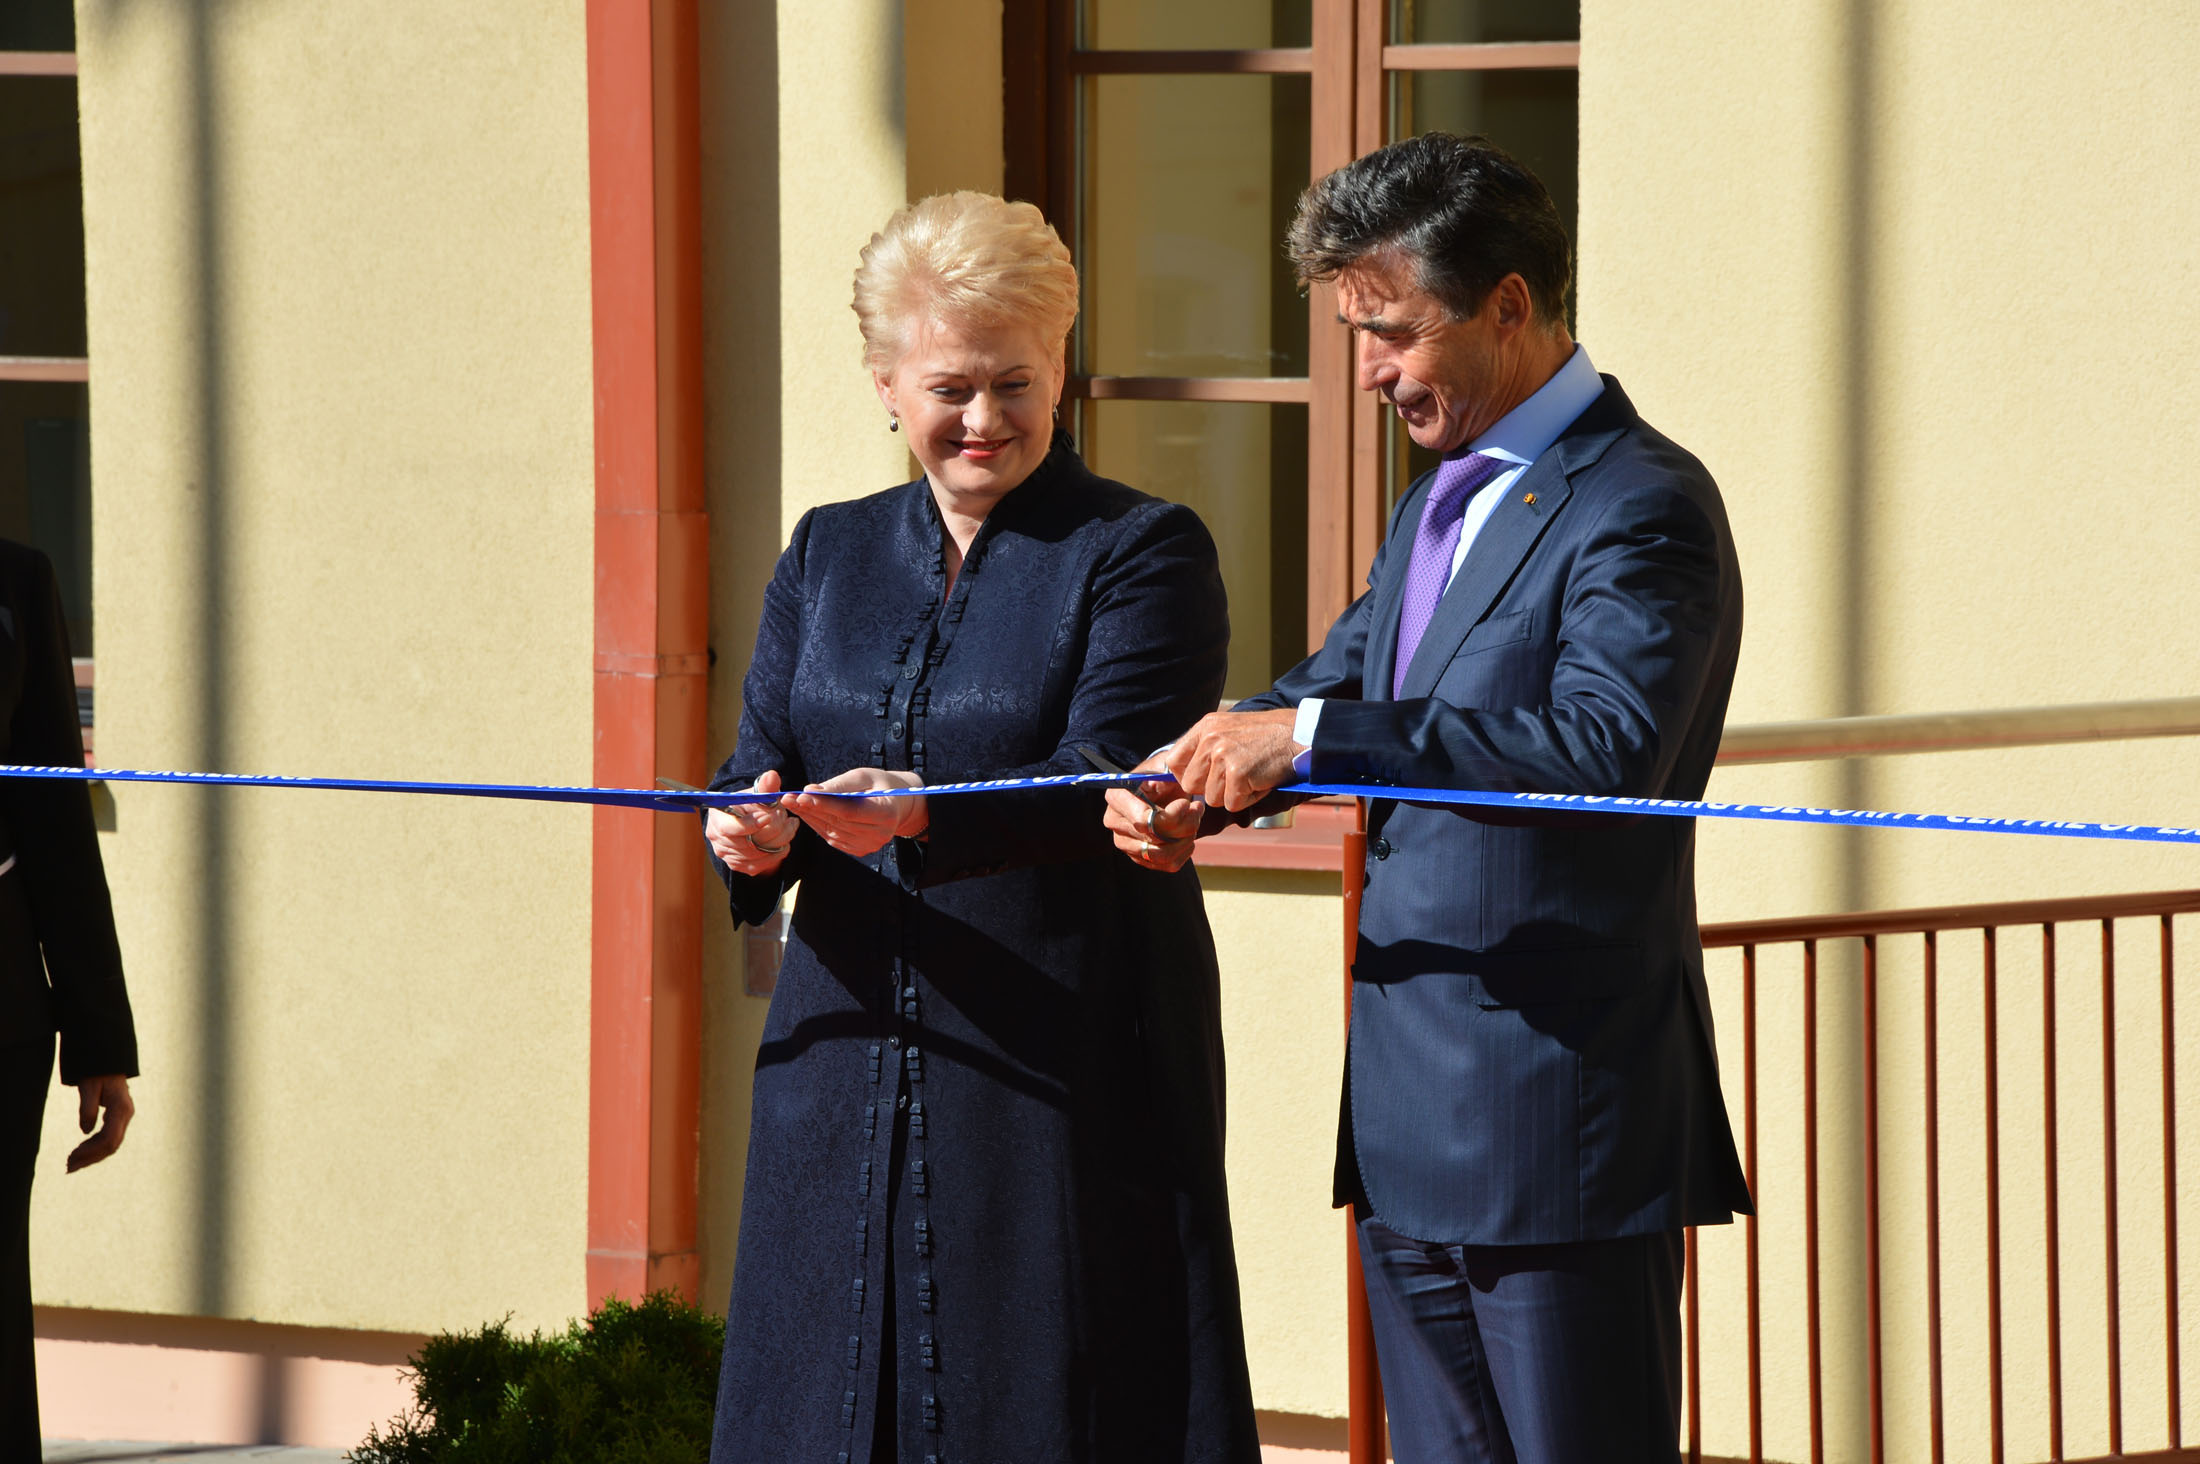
(1314, 841)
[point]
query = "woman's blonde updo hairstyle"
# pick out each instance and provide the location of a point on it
(964, 260)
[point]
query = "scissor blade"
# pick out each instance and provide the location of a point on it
(1101, 762)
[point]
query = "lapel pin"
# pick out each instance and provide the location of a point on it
(1527, 498)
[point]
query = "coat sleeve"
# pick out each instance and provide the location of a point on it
(1157, 643)
(766, 740)
(1640, 620)
(57, 846)
(1338, 668)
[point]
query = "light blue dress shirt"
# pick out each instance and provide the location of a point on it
(1520, 436)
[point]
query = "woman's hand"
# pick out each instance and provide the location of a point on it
(1154, 823)
(861, 826)
(752, 838)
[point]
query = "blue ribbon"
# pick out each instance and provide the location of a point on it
(688, 800)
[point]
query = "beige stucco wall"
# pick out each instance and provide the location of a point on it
(338, 308)
(1280, 937)
(1927, 362)
(1911, 280)
(842, 162)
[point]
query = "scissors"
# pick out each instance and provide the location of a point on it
(1102, 763)
(1282, 818)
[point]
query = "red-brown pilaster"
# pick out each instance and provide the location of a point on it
(652, 627)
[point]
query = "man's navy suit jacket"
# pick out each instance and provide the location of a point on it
(1531, 1058)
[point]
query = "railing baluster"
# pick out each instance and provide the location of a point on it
(2171, 1366)
(1749, 1227)
(1992, 1002)
(2054, 1232)
(1695, 1351)
(1810, 1198)
(1874, 1357)
(1932, 1194)
(2108, 1188)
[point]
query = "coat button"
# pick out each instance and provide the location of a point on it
(894, 731)
(1381, 848)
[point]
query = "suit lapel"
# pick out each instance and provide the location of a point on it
(1508, 536)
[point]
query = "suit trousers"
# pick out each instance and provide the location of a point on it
(1527, 1354)
(26, 1071)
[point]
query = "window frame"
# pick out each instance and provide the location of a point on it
(1351, 60)
(75, 370)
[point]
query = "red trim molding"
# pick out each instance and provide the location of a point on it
(651, 645)
(1315, 840)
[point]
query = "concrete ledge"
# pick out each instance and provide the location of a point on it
(219, 1391)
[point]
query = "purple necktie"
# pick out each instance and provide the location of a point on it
(1433, 545)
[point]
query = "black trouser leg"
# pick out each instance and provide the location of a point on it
(26, 1071)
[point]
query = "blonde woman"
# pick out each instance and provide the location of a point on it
(984, 1217)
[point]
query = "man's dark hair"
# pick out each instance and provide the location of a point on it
(1460, 207)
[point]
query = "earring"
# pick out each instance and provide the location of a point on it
(893, 422)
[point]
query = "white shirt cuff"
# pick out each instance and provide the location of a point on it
(1302, 732)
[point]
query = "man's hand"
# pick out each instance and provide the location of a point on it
(751, 838)
(861, 826)
(112, 1093)
(1234, 759)
(1154, 823)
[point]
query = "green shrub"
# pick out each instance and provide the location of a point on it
(632, 1385)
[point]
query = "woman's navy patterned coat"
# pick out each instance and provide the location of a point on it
(985, 1220)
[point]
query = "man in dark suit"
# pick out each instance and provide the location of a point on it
(60, 968)
(1531, 1112)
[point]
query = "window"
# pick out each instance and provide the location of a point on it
(45, 453)
(1170, 142)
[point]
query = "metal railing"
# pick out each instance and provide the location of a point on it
(1864, 935)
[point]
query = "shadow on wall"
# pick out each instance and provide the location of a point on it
(207, 489)
(1847, 1415)
(743, 452)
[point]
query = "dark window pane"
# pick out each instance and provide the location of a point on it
(46, 487)
(1534, 115)
(1242, 467)
(37, 25)
(41, 219)
(1204, 25)
(1474, 22)
(1189, 182)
